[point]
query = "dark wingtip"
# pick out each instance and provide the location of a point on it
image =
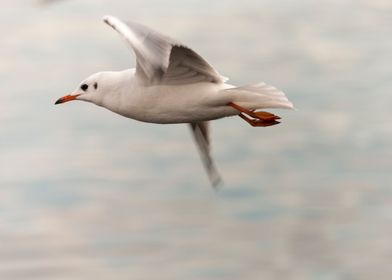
(106, 19)
(59, 101)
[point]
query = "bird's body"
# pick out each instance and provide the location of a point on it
(181, 104)
(173, 84)
(165, 104)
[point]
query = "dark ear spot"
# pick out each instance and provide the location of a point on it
(84, 87)
(95, 85)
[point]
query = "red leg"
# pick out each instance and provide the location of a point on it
(257, 122)
(256, 118)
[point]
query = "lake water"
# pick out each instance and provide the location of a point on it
(86, 194)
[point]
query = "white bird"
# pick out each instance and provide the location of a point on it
(173, 84)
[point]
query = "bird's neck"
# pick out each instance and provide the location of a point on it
(121, 99)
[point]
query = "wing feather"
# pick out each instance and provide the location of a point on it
(162, 60)
(201, 135)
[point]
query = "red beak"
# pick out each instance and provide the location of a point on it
(66, 98)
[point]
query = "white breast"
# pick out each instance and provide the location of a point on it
(176, 104)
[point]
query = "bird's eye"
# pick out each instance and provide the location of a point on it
(84, 87)
(95, 85)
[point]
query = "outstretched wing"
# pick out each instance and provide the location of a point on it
(200, 132)
(162, 60)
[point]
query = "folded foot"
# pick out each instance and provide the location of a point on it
(256, 118)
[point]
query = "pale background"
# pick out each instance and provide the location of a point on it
(86, 194)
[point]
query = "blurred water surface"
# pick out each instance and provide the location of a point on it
(86, 194)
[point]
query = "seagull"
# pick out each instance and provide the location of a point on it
(173, 84)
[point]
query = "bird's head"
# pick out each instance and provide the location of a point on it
(94, 88)
(89, 90)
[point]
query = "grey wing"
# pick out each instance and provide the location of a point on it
(186, 67)
(200, 132)
(162, 60)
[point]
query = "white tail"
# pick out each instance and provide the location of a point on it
(259, 96)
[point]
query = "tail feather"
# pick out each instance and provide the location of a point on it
(259, 96)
